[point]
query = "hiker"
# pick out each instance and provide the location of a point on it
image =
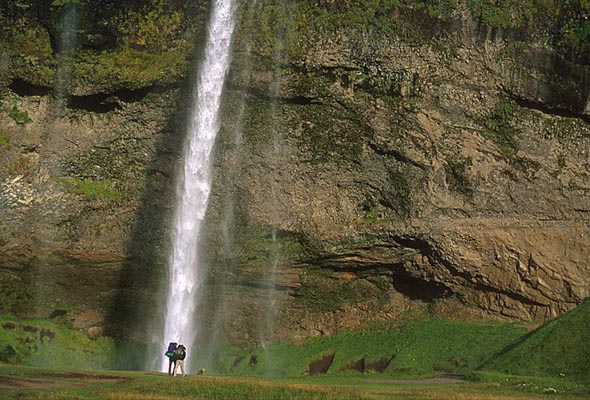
(170, 354)
(179, 356)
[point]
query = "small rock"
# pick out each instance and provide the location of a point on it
(95, 331)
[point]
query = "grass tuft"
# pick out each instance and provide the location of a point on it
(93, 189)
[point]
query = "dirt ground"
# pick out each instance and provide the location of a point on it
(436, 380)
(52, 380)
(21, 383)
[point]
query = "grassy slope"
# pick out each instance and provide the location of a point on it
(560, 347)
(46, 344)
(422, 347)
(416, 347)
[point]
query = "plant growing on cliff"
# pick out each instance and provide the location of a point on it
(501, 128)
(457, 177)
(371, 211)
(274, 29)
(564, 24)
(565, 130)
(4, 139)
(62, 3)
(48, 344)
(154, 26)
(17, 115)
(498, 14)
(322, 291)
(574, 28)
(441, 9)
(92, 189)
(361, 14)
(398, 197)
(130, 68)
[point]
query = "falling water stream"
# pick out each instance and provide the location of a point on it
(67, 39)
(270, 312)
(194, 181)
(233, 167)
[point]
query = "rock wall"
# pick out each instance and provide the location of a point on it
(358, 175)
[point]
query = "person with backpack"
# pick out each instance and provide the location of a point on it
(170, 354)
(179, 355)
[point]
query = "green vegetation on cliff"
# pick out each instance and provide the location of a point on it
(117, 44)
(565, 25)
(501, 127)
(456, 175)
(4, 139)
(92, 189)
(14, 113)
(130, 44)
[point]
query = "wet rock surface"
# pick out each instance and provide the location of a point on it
(365, 177)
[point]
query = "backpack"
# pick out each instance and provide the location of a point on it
(179, 353)
(171, 348)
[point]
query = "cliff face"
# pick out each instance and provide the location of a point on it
(359, 172)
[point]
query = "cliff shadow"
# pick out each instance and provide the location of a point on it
(137, 312)
(138, 305)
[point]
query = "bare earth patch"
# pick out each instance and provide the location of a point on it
(436, 380)
(9, 382)
(20, 383)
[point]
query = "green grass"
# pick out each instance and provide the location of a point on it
(559, 348)
(92, 189)
(50, 345)
(99, 385)
(550, 362)
(416, 348)
(564, 387)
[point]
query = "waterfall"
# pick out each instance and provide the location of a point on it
(269, 314)
(222, 311)
(194, 181)
(67, 40)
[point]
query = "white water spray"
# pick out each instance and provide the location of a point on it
(194, 181)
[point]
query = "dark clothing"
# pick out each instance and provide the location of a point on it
(178, 356)
(179, 353)
(171, 359)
